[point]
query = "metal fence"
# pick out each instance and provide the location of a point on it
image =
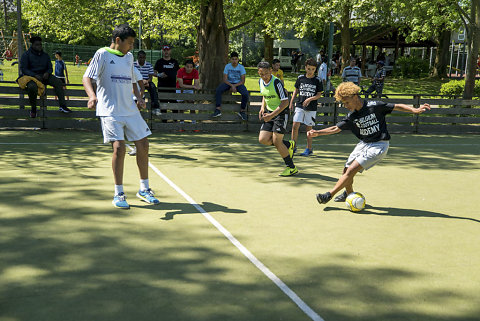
(86, 52)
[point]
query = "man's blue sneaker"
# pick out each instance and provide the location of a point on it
(217, 113)
(307, 152)
(147, 196)
(120, 201)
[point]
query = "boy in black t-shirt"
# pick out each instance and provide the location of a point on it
(309, 89)
(367, 121)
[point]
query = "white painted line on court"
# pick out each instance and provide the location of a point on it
(292, 295)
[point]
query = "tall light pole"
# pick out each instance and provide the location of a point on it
(140, 30)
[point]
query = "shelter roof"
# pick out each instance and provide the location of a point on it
(382, 36)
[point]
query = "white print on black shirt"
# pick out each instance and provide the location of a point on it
(368, 125)
(307, 90)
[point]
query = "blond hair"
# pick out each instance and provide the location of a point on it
(346, 89)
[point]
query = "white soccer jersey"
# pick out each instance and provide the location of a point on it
(114, 76)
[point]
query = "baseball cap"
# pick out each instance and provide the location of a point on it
(166, 47)
(381, 63)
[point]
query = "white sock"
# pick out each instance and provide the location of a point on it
(144, 184)
(118, 189)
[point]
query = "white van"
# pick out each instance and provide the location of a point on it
(282, 50)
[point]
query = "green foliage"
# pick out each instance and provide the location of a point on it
(455, 88)
(411, 67)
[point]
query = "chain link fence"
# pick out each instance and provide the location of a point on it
(86, 52)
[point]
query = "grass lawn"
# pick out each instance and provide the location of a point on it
(392, 85)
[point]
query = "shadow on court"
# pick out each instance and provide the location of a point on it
(173, 209)
(399, 212)
(67, 254)
(172, 156)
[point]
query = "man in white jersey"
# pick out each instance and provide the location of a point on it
(112, 69)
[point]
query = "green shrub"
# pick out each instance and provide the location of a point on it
(411, 67)
(455, 88)
(452, 88)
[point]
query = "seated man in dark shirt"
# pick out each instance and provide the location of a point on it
(36, 63)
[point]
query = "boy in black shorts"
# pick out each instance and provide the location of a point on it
(366, 120)
(274, 116)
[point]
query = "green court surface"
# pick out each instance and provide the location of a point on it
(66, 254)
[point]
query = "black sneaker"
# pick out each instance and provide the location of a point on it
(65, 110)
(324, 198)
(217, 113)
(242, 115)
(341, 198)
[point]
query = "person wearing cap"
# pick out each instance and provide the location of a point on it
(378, 80)
(233, 80)
(166, 69)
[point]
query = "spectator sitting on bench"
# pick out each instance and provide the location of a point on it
(187, 81)
(36, 71)
(233, 80)
(146, 69)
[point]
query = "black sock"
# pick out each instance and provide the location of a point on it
(288, 161)
(286, 143)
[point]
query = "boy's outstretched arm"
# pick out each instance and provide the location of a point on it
(326, 131)
(410, 109)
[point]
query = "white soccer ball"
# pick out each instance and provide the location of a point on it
(355, 202)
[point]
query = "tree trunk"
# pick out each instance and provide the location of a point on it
(5, 14)
(147, 43)
(212, 42)
(268, 51)
(473, 45)
(441, 56)
(345, 35)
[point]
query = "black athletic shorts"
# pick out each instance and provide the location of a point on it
(277, 124)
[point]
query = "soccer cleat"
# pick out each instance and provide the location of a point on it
(289, 171)
(133, 152)
(217, 113)
(307, 152)
(120, 201)
(341, 198)
(33, 113)
(147, 196)
(324, 198)
(65, 110)
(242, 115)
(291, 149)
(156, 112)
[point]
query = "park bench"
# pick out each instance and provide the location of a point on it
(448, 115)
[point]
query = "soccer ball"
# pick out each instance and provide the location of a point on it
(355, 202)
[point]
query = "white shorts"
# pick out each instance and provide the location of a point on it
(120, 127)
(368, 154)
(303, 116)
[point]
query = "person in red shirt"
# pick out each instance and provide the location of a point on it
(188, 80)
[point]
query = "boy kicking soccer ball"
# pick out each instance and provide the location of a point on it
(274, 117)
(112, 69)
(366, 120)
